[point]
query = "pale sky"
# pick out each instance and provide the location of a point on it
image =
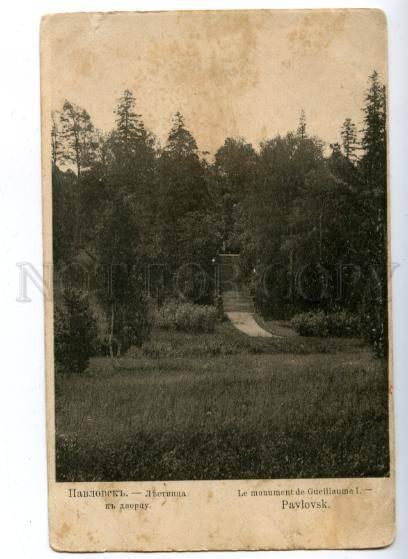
(231, 73)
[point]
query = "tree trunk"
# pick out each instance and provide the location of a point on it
(112, 325)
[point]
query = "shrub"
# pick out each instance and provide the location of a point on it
(132, 321)
(187, 317)
(311, 324)
(75, 332)
(343, 323)
(338, 324)
(156, 349)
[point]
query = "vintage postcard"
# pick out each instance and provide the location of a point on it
(218, 338)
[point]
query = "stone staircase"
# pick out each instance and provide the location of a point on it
(235, 297)
(237, 301)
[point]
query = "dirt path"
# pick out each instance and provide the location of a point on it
(245, 322)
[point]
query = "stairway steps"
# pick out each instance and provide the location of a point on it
(230, 298)
(237, 300)
(234, 297)
(238, 305)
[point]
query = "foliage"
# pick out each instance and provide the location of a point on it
(374, 317)
(130, 131)
(301, 129)
(132, 323)
(233, 179)
(311, 324)
(373, 200)
(349, 138)
(75, 332)
(310, 226)
(124, 301)
(299, 217)
(77, 137)
(63, 212)
(184, 197)
(180, 143)
(343, 323)
(186, 317)
(340, 323)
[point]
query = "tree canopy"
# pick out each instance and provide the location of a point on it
(299, 214)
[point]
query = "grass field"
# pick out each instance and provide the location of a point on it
(225, 406)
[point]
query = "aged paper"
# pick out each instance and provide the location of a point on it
(218, 339)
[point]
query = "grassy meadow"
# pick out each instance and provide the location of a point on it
(222, 406)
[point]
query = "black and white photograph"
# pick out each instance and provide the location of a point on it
(203, 290)
(219, 246)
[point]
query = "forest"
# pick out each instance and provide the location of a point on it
(152, 381)
(134, 220)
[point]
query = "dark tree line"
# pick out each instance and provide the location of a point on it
(310, 227)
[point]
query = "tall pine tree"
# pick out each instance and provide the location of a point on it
(77, 138)
(183, 191)
(301, 129)
(133, 170)
(130, 131)
(349, 138)
(373, 202)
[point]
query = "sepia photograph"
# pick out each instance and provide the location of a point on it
(219, 228)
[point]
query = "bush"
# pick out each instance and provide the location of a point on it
(187, 317)
(311, 324)
(338, 324)
(343, 323)
(75, 332)
(132, 321)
